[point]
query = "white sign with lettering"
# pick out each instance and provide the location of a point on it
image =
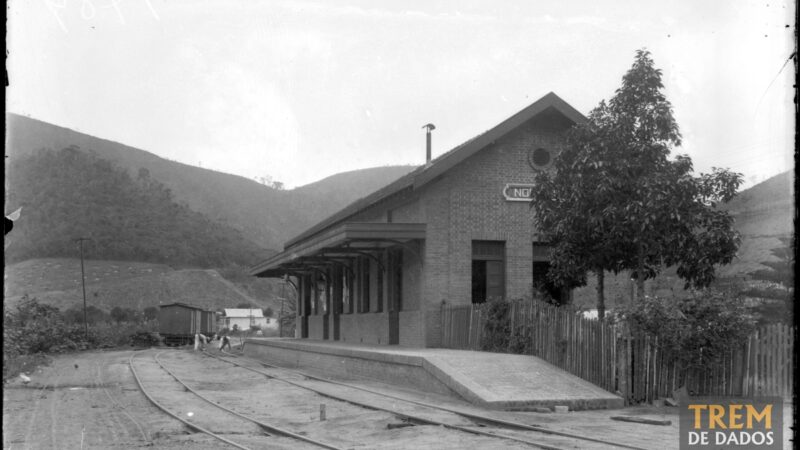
(518, 192)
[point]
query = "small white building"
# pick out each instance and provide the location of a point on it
(245, 318)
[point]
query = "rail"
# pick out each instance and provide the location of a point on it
(168, 412)
(465, 414)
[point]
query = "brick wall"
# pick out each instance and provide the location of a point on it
(476, 210)
(412, 329)
(433, 326)
(367, 328)
(315, 327)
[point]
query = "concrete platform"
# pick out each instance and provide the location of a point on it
(492, 380)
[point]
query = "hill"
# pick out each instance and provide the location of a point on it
(268, 217)
(329, 191)
(71, 193)
(147, 216)
(766, 209)
(57, 282)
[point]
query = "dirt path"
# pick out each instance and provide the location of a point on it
(88, 400)
(91, 400)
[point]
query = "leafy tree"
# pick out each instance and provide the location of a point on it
(119, 314)
(615, 201)
(150, 313)
(73, 192)
(268, 312)
(497, 329)
(133, 315)
(780, 272)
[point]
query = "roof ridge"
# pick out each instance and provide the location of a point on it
(429, 171)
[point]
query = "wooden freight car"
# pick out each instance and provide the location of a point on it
(178, 323)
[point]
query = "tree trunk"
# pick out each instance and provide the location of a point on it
(640, 289)
(640, 277)
(601, 301)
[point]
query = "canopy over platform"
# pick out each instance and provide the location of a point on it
(338, 245)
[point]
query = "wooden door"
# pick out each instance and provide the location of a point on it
(495, 279)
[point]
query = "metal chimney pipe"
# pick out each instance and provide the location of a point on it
(428, 129)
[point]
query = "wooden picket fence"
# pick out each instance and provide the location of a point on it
(560, 336)
(633, 366)
(763, 366)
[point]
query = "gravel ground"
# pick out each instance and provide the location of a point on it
(91, 400)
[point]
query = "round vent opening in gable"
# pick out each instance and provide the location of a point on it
(539, 158)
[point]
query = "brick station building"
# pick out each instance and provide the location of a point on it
(457, 230)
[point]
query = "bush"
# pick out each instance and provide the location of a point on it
(519, 342)
(150, 313)
(31, 328)
(696, 331)
(145, 339)
(497, 328)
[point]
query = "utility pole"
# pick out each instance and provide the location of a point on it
(83, 285)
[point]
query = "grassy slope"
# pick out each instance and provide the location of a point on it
(113, 283)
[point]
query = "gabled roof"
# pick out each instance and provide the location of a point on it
(184, 305)
(424, 174)
(339, 241)
(239, 312)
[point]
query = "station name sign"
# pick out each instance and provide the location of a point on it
(518, 192)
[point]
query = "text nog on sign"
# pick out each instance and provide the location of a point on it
(516, 192)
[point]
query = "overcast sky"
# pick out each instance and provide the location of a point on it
(300, 90)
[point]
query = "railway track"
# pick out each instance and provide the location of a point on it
(207, 416)
(420, 412)
(159, 387)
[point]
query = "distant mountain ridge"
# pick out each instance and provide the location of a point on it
(266, 216)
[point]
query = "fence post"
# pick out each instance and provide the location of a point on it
(623, 351)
